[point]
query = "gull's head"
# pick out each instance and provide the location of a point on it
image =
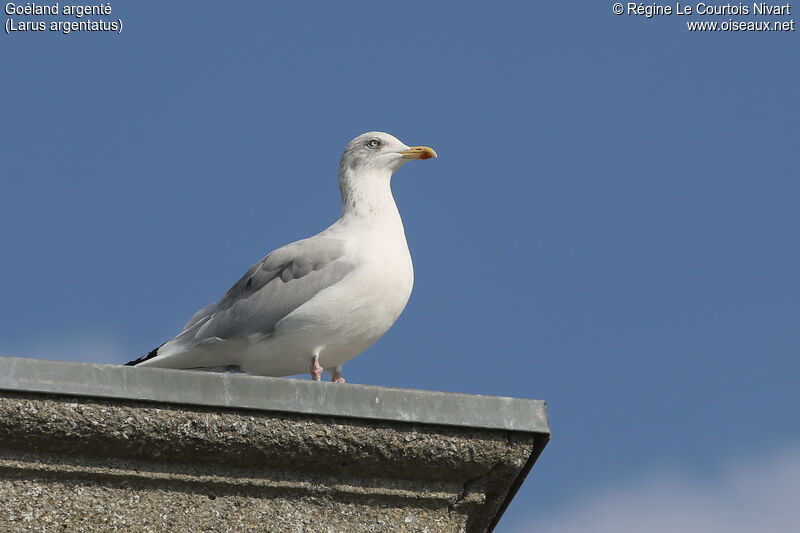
(378, 152)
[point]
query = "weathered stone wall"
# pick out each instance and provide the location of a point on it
(76, 463)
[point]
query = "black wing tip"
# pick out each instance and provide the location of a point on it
(143, 358)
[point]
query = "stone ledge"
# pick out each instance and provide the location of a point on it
(84, 455)
(272, 394)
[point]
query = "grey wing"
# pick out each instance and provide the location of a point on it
(272, 288)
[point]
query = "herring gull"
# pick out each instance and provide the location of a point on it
(314, 304)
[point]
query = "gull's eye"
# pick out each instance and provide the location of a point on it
(374, 143)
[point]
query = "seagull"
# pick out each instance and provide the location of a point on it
(314, 304)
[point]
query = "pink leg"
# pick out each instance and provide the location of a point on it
(316, 369)
(336, 375)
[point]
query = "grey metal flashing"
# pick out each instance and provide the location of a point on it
(272, 394)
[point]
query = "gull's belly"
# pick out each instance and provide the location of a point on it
(337, 324)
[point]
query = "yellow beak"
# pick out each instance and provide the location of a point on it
(418, 152)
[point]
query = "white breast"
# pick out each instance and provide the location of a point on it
(366, 303)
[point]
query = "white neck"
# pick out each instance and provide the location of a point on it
(367, 194)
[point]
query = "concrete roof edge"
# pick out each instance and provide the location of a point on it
(272, 394)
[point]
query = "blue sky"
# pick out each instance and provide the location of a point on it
(611, 225)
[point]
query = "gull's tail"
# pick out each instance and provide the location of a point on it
(144, 357)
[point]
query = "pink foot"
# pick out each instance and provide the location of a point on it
(337, 377)
(316, 369)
